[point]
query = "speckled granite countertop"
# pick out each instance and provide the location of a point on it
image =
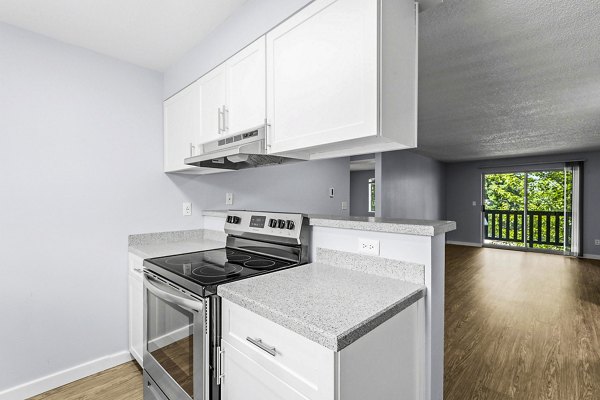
(419, 227)
(329, 305)
(161, 244)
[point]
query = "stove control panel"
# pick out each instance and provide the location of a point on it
(267, 223)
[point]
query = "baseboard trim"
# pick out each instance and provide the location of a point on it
(470, 244)
(592, 256)
(48, 382)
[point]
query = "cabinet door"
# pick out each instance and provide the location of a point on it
(213, 88)
(246, 380)
(136, 313)
(181, 127)
(322, 75)
(246, 73)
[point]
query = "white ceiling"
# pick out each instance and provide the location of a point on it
(509, 77)
(150, 33)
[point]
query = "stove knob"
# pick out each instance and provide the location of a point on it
(290, 224)
(229, 219)
(281, 223)
(272, 223)
(236, 220)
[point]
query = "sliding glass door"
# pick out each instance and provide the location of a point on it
(531, 209)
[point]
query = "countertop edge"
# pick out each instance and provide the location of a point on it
(408, 228)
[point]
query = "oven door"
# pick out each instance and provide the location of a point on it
(176, 340)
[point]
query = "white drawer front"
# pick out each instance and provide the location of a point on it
(302, 364)
(246, 380)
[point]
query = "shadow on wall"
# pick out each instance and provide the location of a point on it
(410, 185)
(359, 193)
(302, 187)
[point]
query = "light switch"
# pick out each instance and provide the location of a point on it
(474, 203)
(228, 199)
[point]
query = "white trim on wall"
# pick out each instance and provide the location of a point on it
(48, 382)
(471, 244)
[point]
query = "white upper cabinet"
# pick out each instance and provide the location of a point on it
(246, 72)
(181, 115)
(225, 101)
(341, 78)
(233, 94)
(213, 87)
(337, 78)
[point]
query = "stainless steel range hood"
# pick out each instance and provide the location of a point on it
(240, 151)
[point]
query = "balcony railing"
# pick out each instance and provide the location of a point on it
(543, 227)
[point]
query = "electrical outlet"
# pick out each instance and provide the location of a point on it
(187, 209)
(228, 199)
(331, 192)
(368, 246)
(344, 205)
(597, 242)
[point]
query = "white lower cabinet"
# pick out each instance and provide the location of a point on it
(136, 308)
(263, 360)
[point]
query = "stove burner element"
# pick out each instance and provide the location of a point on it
(213, 272)
(259, 264)
(180, 260)
(238, 258)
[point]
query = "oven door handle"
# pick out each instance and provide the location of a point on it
(154, 286)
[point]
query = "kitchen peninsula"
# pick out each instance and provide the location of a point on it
(409, 250)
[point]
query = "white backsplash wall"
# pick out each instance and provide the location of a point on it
(300, 187)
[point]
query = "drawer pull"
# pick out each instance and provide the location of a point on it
(259, 343)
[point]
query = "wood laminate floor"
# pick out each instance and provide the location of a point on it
(521, 326)
(123, 382)
(518, 326)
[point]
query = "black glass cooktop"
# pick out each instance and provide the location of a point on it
(213, 267)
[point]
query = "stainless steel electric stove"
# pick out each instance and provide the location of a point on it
(182, 318)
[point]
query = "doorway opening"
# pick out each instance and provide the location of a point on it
(531, 210)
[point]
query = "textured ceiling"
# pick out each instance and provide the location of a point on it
(150, 33)
(505, 78)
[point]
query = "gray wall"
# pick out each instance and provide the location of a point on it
(410, 186)
(463, 186)
(81, 160)
(359, 193)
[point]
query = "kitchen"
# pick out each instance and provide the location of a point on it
(99, 170)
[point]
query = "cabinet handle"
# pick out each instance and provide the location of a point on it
(268, 135)
(220, 119)
(259, 343)
(225, 118)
